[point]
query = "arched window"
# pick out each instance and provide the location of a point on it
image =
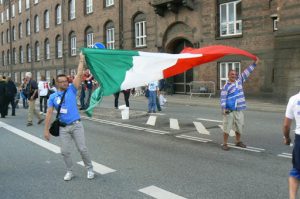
(20, 31)
(46, 19)
(21, 55)
(58, 14)
(8, 57)
(2, 38)
(58, 46)
(47, 49)
(140, 36)
(89, 37)
(7, 36)
(28, 52)
(3, 58)
(72, 42)
(110, 35)
(27, 27)
(37, 51)
(36, 24)
(72, 9)
(14, 54)
(13, 33)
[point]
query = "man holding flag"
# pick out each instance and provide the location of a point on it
(233, 103)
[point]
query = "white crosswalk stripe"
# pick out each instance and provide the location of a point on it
(151, 120)
(174, 124)
(201, 129)
(159, 193)
(99, 168)
(285, 155)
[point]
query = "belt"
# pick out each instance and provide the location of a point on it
(62, 124)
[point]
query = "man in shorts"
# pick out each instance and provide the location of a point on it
(293, 113)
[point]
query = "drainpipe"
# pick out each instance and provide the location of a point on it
(121, 27)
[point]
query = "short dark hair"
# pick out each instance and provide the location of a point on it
(61, 75)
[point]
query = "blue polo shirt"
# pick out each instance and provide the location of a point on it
(69, 111)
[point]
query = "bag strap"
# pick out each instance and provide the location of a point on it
(59, 106)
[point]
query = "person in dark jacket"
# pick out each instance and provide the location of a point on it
(2, 97)
(11, 91)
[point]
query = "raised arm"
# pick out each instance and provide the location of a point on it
(77, 79)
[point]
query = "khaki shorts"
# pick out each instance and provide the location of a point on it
(234, 120)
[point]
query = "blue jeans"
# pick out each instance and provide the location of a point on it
(152, 101)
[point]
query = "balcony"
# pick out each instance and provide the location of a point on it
(161, 6)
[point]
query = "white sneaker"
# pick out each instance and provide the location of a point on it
(69, 175)
(41, 113)
(90, 174)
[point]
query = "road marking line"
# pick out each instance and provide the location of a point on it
(201, 129)
(159, 193)
(209, 120)
(249, 147)
(245, 149)
(126, 125)
(151, 120)
(231, 133)
(34, 139)
(174, 124)
(158, 113)
(284, 156)
(286, 153)
(193, 138)
(99, 168)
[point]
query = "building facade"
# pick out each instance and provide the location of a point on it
(45, 37)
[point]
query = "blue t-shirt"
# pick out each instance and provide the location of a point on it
(69, 111)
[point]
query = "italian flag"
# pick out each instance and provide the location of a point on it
(117, 70)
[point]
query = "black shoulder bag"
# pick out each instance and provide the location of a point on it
(54, 129)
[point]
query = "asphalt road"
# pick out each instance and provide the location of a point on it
(148, 161)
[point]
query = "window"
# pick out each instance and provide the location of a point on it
(2, 38)
(88, 6)
(140, 30)
(72, 44)
(58, 47)
(2, 17)
(20, 6)
(46, 19)
(13, 10)
(58, 14)
(7, 14)
(8, 57)
(89, 37)
(109, 3)
(20, 31)
(230, 18)
(225, 67)
(72, 9)
(48, 78)
(275, 23)
(36, 24)
(28, 53)
(21, 55)
(27, 27)
(13, 33)
(37, 51)
(110, 36)
(7, 36)
(14, 56)
(3, 58)
(27, 4)
(47, 49)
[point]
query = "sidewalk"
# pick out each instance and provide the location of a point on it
(252, 104)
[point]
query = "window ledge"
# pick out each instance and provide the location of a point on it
(229, 37)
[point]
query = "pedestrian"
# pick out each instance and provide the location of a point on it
(293, 113)
(88, 80)
(23, 93)
(126, 98)
(233, 103)
(43, 87)
(152, 89)
(11, 91)
(32, 95)
(71, 127)
(2, 97)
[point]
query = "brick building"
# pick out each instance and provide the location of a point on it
(45, 37)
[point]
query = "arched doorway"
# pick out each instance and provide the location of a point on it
(180, 82)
